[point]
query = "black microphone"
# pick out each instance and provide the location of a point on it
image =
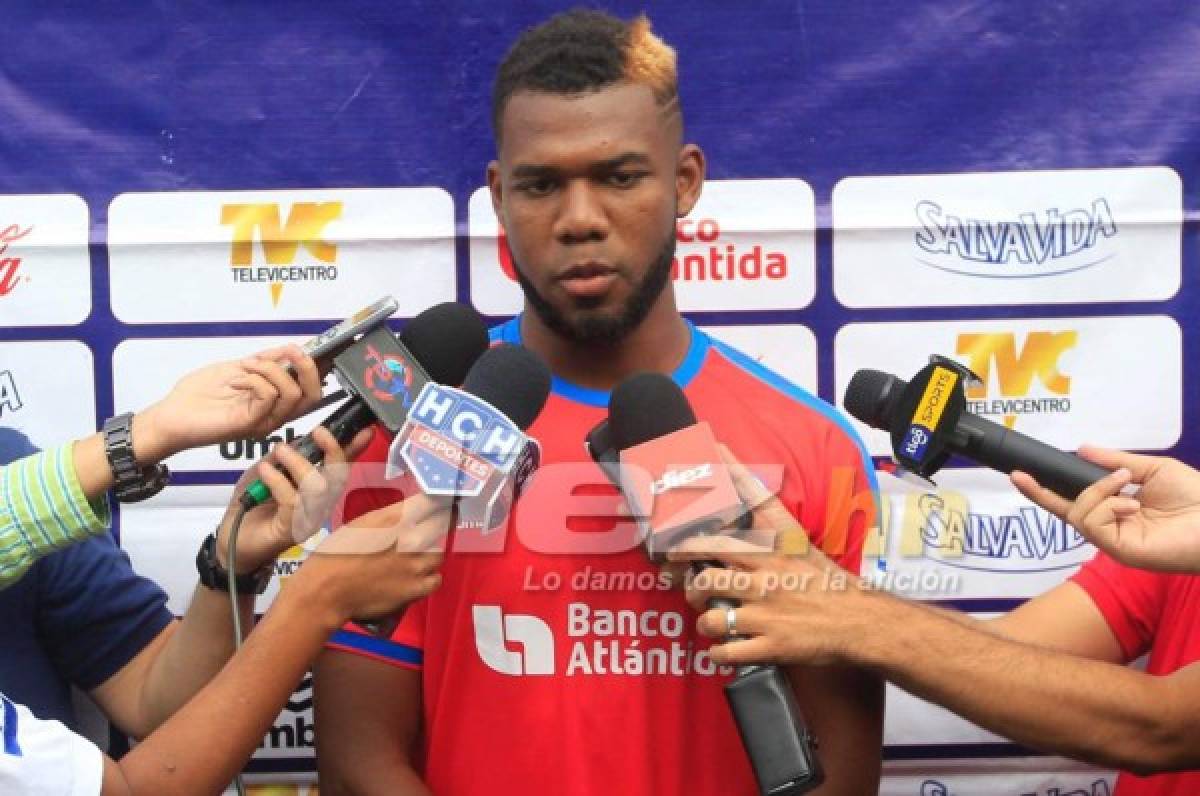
(383, 374)
(469, 443)
(651, 426)
(513, 379)
(466, 446)
(928, 421)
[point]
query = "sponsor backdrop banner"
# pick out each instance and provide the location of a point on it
(1009, 185)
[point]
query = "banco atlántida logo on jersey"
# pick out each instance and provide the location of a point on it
(1019, 374)
(292, 244)
(601, 641)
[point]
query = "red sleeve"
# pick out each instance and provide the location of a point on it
(845, 504)
(367, 490)
(1130, 600)
(403, 648)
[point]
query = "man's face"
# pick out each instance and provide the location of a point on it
(587, 188)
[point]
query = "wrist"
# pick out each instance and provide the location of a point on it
(879, 638)
(247, 561)
(151, 443)
(319, 592)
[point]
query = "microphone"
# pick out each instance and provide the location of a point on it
(382, 374)
(659, 456)
(670, 471)
(469, 444)
(928, 421)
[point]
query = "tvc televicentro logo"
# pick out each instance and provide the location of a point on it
(280, 240)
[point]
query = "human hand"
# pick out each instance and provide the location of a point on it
(1158, 529)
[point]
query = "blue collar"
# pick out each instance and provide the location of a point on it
(510, 332)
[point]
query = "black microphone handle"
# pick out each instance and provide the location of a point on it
(1003, 449)
(715, 603)
(346, 421)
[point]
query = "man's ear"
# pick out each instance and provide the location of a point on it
(495, 188)
(689, 178)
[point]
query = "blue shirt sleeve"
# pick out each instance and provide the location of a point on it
(95, 614)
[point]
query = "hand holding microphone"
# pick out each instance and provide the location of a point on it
(793, 609)
(302, 493)
(928, 421)
(226, 400)
(384, 373)
(671, 473)
(1158, 528)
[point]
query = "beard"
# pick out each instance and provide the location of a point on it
(588, 324)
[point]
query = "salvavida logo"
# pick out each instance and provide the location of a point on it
(280, 243)
(1025, 539)
(673, 479)
(603, 642)
(932, 787)
(1033, 244)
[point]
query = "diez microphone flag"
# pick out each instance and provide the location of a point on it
(677, 486)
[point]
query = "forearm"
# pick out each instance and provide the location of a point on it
(193, 654)
(843, 707)
(238, 705)
(150, 446)
(368, 717)
(1095, 711)
(43, 509)
(389, 775)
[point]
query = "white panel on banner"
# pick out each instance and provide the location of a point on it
(974, 536)
(746, 245)
(1030, 237)
(278, 255)
(162, 535)
(788, 349)
(145, 370)
(47, 390)
(1029, 776)
(45, 275)
(1115, 381)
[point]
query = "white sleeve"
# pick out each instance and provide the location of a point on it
(43, 757)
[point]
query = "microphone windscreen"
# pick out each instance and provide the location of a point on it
(868, 395)
(446, 339)
(647, 406)
(513, 379)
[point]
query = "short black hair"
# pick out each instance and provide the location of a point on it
(584, 50)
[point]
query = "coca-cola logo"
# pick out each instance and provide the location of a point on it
(10, 266)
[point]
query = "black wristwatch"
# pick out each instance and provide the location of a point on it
(133, 482)
(215, 576)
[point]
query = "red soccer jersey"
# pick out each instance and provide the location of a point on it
(1148, 612)
(552, 671)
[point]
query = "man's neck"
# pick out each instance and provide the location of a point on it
(658, 344)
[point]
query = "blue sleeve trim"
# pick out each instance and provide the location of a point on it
(11, 746)
(510, 332)
(803, 396)
(507, 332)
(380, 647)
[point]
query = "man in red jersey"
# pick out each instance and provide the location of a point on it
(1057, 682)
(564, 662)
